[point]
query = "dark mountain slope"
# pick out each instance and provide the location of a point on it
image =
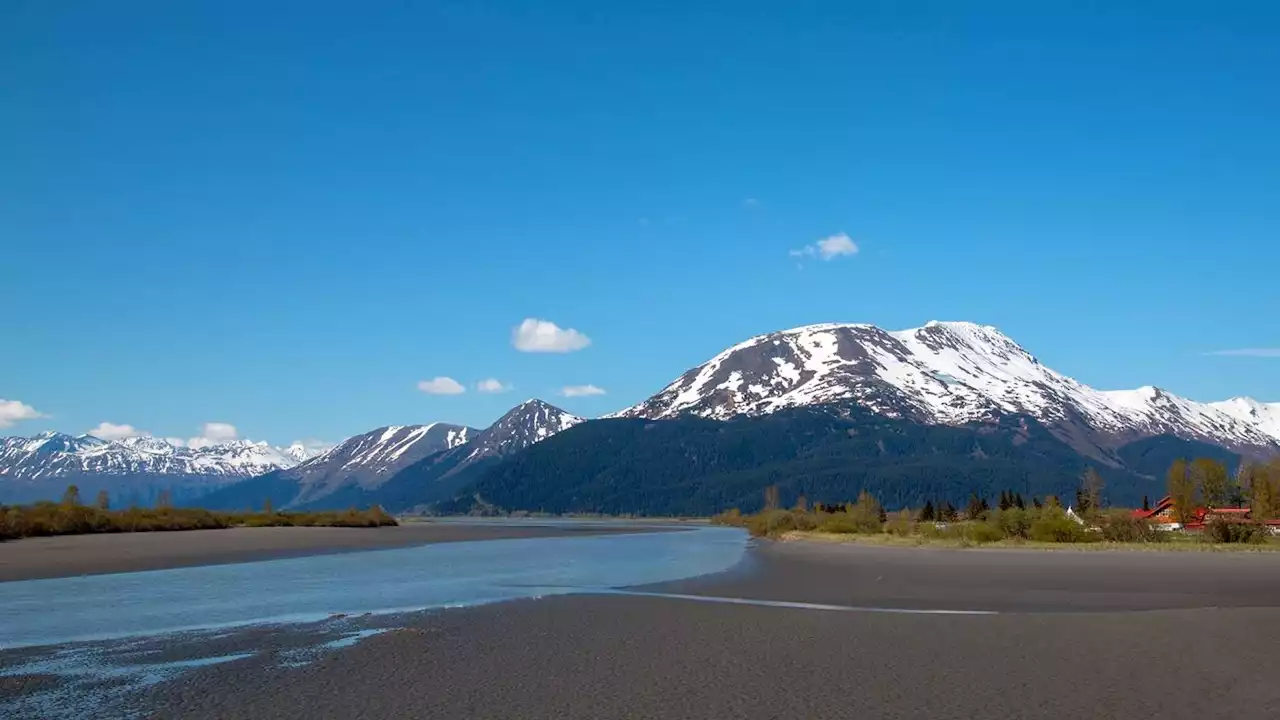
(697, 466)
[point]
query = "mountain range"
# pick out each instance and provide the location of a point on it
(397, 466)
(945, 409)
(135, 469)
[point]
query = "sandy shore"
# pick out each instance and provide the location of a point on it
(1072, 636)
(796, 630)
(71, 555)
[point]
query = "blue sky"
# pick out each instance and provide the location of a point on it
(285, 216)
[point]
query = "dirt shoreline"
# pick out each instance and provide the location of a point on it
(71, 555)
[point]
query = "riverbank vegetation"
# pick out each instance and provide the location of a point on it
(1196, 489)
(72, 517)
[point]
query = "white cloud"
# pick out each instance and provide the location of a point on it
(1248, 352)
(111, 431)
(12, 411)
(581, 391)
(535, 335)
(313, 446)
(828, 248)
(214, 433)
(176, 441)
(492, 385)
(441, 386)
(750, 203)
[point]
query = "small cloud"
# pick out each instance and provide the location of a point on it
(492, 386)
(214, 433)
(111, 431)
(12, 411)
(1248, 352)
(174, 441)
(441, 386)
(750, 203)
(535, 335)
(828, 248)
(581, 391)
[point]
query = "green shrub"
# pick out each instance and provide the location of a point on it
(1122, 526)
(1222, 530)
(732, 517)
(1013, 522)
(865, 514)
(900, 524)
(841, 523)
(1054, 526)
(984, 532)
(46, 518)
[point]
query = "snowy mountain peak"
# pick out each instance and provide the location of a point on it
(523, 425)
(943, 372)
(370, 459)
(42, 466)
(1264, 416)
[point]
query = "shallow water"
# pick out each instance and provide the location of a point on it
(97, 607)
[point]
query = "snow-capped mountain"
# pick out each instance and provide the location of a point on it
(42, 466)
(53, 454)
(395, 465)
(945, 373)
(523, 425)
(370, 459)
(1265, 416)
(436, 477)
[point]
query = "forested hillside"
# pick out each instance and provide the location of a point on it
(697, 466)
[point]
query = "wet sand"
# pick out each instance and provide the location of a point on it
(71, 555)
(1071, 635)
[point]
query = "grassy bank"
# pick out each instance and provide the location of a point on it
(47, 518)
(1177, 543)
(1047, 526)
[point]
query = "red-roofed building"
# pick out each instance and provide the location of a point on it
(1162, 514)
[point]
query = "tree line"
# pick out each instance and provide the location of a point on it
(1195, 484)
(1207, 483)
(71, 516)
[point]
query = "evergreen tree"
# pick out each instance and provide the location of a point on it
(1017, 501)
(71, 498)
(884, 516)
(1006, 500)
(104, 500)
(948, 511)
(1146, 504)
(1036, 501)
(927, 514)
(975, 507)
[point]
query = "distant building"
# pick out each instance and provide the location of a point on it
(1163, 517)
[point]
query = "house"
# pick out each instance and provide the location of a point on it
(1162, 515)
